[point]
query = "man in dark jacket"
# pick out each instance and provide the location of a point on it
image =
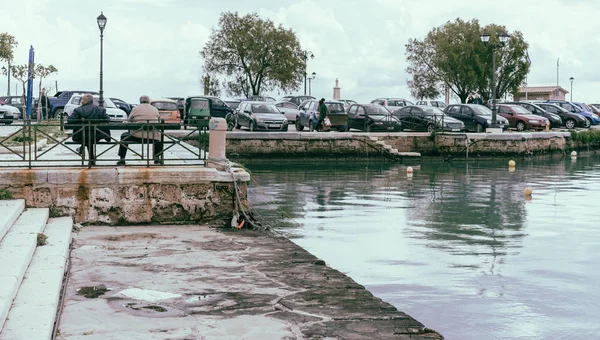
(322, 114)
(85, 130)
(44, 104)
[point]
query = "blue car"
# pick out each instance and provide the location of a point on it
(579, 108)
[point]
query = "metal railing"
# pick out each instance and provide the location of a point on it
(21, 145)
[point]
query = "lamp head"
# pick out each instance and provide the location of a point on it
(101, 21)
(485, 36)
(313, 75)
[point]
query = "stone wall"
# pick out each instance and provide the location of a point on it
(130, 195)
(344, 145)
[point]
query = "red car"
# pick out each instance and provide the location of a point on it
(521, 119)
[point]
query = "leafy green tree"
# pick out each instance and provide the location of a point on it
(253, 55)
(454, 55)
(7, 45)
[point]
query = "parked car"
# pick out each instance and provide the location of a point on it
(476, 118)
(296, 99)
(572, 107)
(308, 115)
(289, 110)
(260, 116)
(521, 119)
(198, 111)
(589, 110)
(427, 118)
(372, 118)
(168, 110)
(392, 103)
(180, 104)
(570, 120)
(233, 103)
(121, 104)
(218, 107)
(111, 109)
(434, 103)
(257, 98)
(555, 120)
(347, 103)
(8, 114)
(60, 99)
(17, 102)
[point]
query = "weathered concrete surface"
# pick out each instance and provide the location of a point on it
(351, 144)
(229, 284)
(194, 194)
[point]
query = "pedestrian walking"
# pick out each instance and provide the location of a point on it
(86, 130)
(45, 104)
(143, 113)
(322, 114)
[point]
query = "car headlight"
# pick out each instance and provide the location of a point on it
(595, 116)
(259, 120)
(490, 122)
(533, 121)
(378, 123)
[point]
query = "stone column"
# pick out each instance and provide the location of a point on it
(217, 140)
(336, 91)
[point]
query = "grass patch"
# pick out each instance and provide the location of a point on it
(586, 136)
(54, 212)
(41, 239)
(28, 134)
(5, 194)
(92, 292)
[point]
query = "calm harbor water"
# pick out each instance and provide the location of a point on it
(456, 246)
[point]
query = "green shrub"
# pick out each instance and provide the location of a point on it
(5, 194)
(41, 239)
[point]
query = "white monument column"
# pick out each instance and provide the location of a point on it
(336, 91)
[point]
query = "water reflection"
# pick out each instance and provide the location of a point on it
(454, 235)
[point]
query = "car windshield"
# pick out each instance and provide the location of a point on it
(165, 106)
(107, 103)
(335, 107)
(481, 110)
(432, 111)
(521, 110)
(377, 110)
(396, 103)
(584, 107)
(199, 104)
(264, 108)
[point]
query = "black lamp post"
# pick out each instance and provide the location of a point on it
(314, 75)
(101, 24)
(571, 79)
(306, 55)
(503, 38)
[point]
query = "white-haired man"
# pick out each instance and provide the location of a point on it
(89, 114)
(143, 113)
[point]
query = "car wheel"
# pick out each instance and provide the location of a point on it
(570, 124)
(520, 126)
(252, 126)
(479, 128)
(588, 123)
(59, 113)
(430, 128)
(299, 127)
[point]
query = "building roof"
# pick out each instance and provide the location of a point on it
(541, 89)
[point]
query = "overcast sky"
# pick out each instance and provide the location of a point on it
(152, 46)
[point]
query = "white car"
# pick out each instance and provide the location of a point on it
(7, 110)
(111, 109)
(392, 103)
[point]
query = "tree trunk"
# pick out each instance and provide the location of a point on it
(23, 102)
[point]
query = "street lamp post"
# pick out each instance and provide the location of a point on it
(485, 37)
(101, 24)
(306, 55)
(314, 75)
(571, 79)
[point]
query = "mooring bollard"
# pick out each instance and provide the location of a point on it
(217, 139)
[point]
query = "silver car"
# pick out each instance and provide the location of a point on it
(289, 110)
(260, 116)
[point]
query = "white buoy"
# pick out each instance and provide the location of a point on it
(512, 163)
(527, 192)
(409, 170)
(573, 153)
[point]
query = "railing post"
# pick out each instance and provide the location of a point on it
(217, 140)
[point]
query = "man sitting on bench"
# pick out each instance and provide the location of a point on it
(143, 113)
(89, 133)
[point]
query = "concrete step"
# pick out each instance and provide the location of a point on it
(9, 212)
(34, 309)
(394, 151)
(409, 154)
(373, 138)
(16, 250)
(387, 147)
(380, 142)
